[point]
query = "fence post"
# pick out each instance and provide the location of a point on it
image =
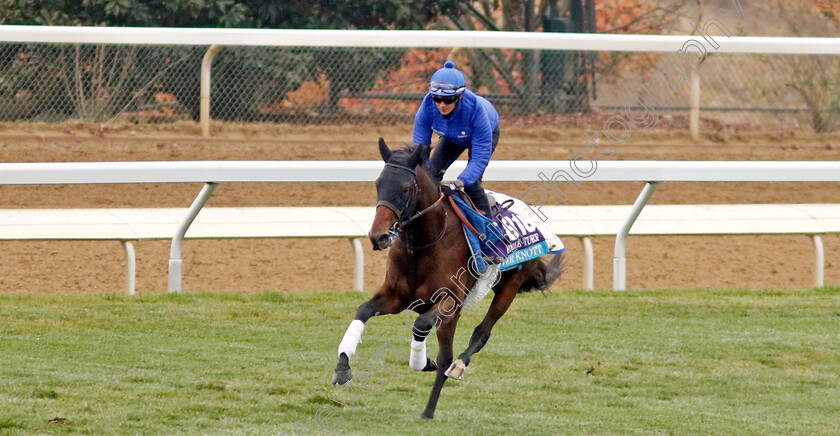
(204, 115)
(358, 264)
(694, 121)
(588, 264)
(619, 256)
(819, 261)
(130, 268)
(175, 261)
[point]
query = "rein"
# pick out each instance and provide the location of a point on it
(442, 232)
(402, 224)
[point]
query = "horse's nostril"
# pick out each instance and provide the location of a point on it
(381, 241)
(376, 241)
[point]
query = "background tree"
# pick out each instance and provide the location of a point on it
(814, 79)
(561, 80)
(239, 79)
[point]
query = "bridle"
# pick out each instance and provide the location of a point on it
(402, 220)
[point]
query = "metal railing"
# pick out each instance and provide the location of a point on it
(548, 177)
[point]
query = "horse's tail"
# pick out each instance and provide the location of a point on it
(545, 274)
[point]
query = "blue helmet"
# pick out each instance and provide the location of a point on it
(447, 81)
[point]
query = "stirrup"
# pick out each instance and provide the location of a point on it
(494, 260)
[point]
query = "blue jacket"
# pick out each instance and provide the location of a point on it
(470, 126)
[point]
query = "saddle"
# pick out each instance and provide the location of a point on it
(483, 234)
(514, 235)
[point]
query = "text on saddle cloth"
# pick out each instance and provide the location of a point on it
(517, 234)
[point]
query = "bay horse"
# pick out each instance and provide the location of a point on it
(427, 270)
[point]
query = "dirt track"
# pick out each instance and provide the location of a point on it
(326, 264)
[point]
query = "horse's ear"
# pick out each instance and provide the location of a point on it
(425, 150)
(416, 156)
(384, 151)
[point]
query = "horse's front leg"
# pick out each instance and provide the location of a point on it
(382, 303)
(424, 325)
(445, 335)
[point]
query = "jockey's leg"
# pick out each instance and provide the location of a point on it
(381, 304)
(475, 191)
(443, 155)
(479, 197)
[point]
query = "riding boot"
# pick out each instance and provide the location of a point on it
(479, 197)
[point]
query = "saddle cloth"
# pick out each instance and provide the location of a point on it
(517, 234)
(526, 235)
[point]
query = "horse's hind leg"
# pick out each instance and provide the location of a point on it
(445, 334)
(381, 304)
(501, 302)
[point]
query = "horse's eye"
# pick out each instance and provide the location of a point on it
(406, 189)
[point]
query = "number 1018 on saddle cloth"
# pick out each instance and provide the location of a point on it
(518, 235)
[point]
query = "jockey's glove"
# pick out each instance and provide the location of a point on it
(457, 185)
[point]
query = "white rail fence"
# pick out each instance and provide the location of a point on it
(406, 38)
(549, 177)
(216, 39)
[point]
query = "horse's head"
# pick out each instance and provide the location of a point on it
(396, 192)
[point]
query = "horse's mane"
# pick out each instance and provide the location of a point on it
(400, 157)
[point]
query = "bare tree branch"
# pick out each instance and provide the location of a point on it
(481, 17)
(491, 58)
(645, 16)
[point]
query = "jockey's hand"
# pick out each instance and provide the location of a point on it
(457, 185)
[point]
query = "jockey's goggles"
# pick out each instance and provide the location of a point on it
(444, 88)
(449, 99)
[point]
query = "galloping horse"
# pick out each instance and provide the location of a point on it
(428, 270)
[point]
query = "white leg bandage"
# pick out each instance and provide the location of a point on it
(351, 340)
(417, 358)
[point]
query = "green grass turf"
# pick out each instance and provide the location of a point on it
(664, 362)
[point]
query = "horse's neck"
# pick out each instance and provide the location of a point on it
(429, 226)
(429, 189)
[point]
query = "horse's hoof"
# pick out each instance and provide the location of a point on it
(342, 370)
(427, 415)
(342, 377)
(431, 366)
(456, 370)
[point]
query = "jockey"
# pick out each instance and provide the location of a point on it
(463, 120)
